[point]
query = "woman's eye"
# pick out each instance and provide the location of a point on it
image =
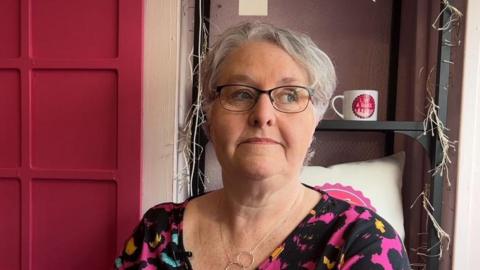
(288, 96)
(242, 95)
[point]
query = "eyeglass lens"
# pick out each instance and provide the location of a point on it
(285, 99)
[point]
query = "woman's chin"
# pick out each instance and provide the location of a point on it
(259, 168)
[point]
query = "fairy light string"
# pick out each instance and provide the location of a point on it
(434, 126)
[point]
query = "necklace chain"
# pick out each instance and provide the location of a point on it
(245, 259)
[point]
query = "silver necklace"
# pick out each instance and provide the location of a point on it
(244, 259)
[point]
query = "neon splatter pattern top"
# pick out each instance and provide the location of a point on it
(334, 235)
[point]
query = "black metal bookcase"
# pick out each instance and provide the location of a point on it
(414, 130)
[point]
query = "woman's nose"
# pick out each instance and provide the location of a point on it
(263, 113)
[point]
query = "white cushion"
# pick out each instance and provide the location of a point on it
(378, 180)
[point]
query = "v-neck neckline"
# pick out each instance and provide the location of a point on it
(317, 208)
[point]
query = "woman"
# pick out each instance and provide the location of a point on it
(265, 89)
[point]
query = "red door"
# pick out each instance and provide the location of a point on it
(70, 131)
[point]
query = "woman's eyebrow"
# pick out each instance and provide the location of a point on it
(287, 80)
(240, 78)
(243, 78)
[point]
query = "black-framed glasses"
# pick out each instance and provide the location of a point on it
(242, 98)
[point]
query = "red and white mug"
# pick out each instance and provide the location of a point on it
(359, 105)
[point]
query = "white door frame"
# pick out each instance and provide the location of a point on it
(162, 20)
(467, 220)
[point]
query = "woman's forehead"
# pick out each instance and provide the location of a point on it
(246, 79)
(254, 61)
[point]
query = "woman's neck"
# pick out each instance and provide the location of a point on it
(257, 202)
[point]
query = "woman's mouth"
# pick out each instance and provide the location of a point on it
(260, 140)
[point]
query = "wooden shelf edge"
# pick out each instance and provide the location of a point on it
(347, 125)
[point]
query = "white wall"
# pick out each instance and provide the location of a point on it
(467, 220)
(168, 41)
(161, 81)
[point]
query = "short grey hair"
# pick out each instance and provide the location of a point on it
(319, 67)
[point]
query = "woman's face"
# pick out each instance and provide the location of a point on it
(261, 142)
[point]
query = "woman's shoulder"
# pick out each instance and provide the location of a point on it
(161, 219)
(164, 212)
(156, 233)
(169, 216)
(163, 216)
(338, 207)
(349, 213)
(359, 235)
